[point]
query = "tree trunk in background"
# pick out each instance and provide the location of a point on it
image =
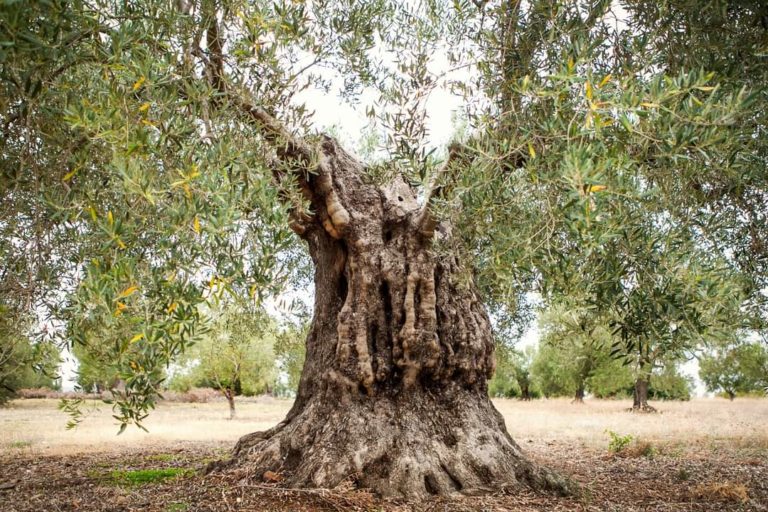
(230, 396)
(731, 395)
(393, 394)
(640, 403)
(579, 396)
(525, 391)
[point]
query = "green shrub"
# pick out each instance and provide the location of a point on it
(618, 442)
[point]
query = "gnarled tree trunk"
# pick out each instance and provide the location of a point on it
(393, 393)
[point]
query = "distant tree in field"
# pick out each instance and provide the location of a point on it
(574, 345)
(575, 356)
(622, 263)
(669, 299)
(23, 363)
(615, 379)
(735, 368)
(523, 365)
(237, 355)
(667, 383)
(514, 374)
(504, 384)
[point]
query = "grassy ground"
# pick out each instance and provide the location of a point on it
(707, 454)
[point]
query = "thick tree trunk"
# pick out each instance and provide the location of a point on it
(393, 394)
(731, 395)
(640, 403)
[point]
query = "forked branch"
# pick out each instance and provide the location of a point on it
(426, 221)
(297, 158)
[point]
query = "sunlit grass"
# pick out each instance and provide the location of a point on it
(701, 425)
(130, 478)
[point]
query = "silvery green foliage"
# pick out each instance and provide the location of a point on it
(134, 189)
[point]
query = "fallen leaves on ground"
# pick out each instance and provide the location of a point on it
(663, 482)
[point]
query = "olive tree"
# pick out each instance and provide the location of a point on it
(156, 155)
(236, 355)
(733, 368)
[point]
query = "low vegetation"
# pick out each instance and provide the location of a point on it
(712, 453)
(139, 477)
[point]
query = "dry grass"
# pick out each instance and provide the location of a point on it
(709, 424)
(701, 456)
(721, 491)
(38, 426)
(703, 425)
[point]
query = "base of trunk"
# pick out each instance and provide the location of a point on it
(412, 446)
(643, 408)
(640, 398)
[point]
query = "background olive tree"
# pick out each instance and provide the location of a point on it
(235, 357)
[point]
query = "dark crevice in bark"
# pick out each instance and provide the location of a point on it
(430, 484)
(387, 304)
(342, 287)
(455, 482)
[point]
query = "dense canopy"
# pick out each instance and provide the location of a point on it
(159, 156)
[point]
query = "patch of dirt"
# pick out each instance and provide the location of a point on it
(663, 482)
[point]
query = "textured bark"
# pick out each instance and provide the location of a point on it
(640, 395)
(393, 394)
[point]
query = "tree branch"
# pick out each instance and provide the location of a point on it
(425, 219)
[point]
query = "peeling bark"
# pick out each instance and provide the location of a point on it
(393, 394)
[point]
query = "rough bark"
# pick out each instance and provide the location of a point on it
(393, 394)
(640, 395)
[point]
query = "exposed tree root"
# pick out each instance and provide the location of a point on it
(409, 449)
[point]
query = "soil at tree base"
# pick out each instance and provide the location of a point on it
(622, 483)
